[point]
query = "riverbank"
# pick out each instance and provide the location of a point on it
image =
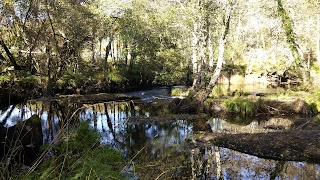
(16, 94)
(238, 102)
(283, 145)
(280, 139)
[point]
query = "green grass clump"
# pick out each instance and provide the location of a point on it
(314, 100)
(80, 157)
(217, 92)
(180, 92)
(240, 105)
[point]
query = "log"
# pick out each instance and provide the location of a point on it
(286, 145)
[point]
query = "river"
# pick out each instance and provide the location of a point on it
(163, 150)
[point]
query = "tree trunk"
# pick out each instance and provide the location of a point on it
(287, 24)
(198, 78)
(108, 49)
(128, 58)
(203, 94)
(93, 57)
(201, 36)
(318, 39)
(211, 53)
(194, 53)
(100, 47)
(10, 56)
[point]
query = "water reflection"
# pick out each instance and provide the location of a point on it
(162, 149)
(255, 126)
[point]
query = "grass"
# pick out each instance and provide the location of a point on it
(217, 92)
(180, 91)
(240, 105)
(98, 163)
(14, 146)
(79, 156)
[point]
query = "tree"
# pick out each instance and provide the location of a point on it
(287, 24)
(202, 93)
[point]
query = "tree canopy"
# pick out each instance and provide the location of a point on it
(102, 44)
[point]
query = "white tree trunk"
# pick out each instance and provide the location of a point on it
(318, 39)
(194, 49)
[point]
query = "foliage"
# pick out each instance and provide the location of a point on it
(28, 81)
(171, 69)
(240, 105)
(79, 157)
(314, 100)
(5, 78)
(218, 91)
(76, 44)
(116, 77)
(180, 91)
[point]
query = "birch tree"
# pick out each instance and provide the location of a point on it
(202, 93)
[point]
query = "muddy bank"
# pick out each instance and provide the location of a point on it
(287, 145)
(95, 98)
(245, 106)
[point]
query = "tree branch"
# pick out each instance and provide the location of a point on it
(11, 58)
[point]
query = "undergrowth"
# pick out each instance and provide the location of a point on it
(180, 91)
(79, 156)
(241, 105)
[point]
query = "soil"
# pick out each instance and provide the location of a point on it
(291, 145)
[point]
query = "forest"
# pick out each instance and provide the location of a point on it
(67, 47)
(72, 54)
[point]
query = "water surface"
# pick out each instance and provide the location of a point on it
(163, 149)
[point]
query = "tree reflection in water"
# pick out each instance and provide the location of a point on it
(163, 149)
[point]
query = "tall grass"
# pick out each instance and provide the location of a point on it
(217, 92)
(240, 105)
(79, 156)
(19, 144)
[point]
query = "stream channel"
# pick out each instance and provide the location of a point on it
(163, 150)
